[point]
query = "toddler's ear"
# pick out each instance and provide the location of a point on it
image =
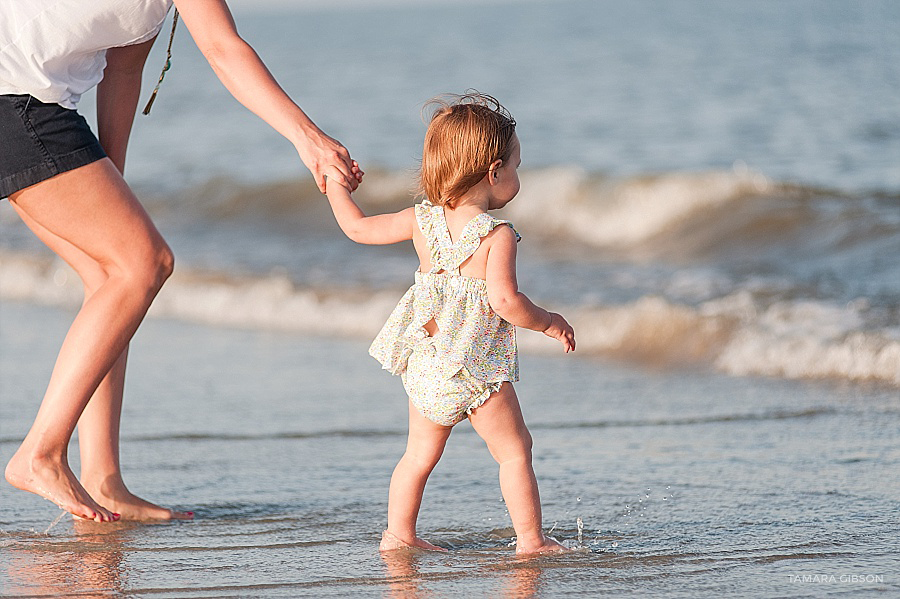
(493, 171)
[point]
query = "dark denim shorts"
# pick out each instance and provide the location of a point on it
(39, 141)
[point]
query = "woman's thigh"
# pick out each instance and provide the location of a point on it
(93, 210)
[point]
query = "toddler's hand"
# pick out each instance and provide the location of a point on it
(562, 331)
(326, 157)
(356, 177)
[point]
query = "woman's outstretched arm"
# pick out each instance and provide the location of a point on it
(244, 75)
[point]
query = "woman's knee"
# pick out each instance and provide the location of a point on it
(163, 265)
(165, 261)
(146, 271)
(148, 267)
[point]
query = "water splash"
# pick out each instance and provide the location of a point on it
(55, 521)
(580, 524)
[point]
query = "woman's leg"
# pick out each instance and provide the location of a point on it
(92, 212)
(499, 422)
(423, 451)
(98, 426)
(98, 441)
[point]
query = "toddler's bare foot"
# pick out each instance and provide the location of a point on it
(548, 545)
(390, 542)
(54, 480)
(131, 507)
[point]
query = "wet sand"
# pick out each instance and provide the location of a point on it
(687, 484)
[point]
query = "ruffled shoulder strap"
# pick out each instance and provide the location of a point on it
(430, 219)
(470, 239)
(446, 255)
(486, 228)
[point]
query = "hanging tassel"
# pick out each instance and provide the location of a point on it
(168, 66)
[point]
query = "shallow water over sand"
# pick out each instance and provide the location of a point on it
(688, 484)
(708, 188)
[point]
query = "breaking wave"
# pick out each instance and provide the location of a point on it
(689, 213)
(739, 334)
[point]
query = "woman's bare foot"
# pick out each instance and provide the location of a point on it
(54, 481)
(390, 542)
(548, 545)
(115, 494)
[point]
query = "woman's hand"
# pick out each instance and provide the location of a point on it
(325, 156)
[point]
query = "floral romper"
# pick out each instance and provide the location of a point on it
(474, 351)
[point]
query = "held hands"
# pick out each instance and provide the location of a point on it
(561, 330)
(325, 156)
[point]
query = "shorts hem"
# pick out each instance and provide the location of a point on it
(41, 172)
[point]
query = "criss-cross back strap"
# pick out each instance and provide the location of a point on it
(445, 254)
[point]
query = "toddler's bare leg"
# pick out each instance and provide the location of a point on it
(92, 210)
(423, 451)
(499, 422)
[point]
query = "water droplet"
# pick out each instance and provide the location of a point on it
(55, 522)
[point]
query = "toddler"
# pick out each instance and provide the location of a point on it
(452, 337)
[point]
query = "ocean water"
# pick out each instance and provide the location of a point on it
(710, 193)
(703, 184)
(665, 484)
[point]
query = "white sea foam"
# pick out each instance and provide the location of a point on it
(738, 334)
(274, 303)
(812, 340)
(605, 212)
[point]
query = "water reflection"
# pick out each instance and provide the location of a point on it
(521, 579)
(89, 562)
(403, 574)
(408, 574)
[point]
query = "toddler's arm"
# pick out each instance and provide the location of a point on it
(510, 303)
(379, 229)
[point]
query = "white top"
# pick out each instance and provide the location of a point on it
(55, 50)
